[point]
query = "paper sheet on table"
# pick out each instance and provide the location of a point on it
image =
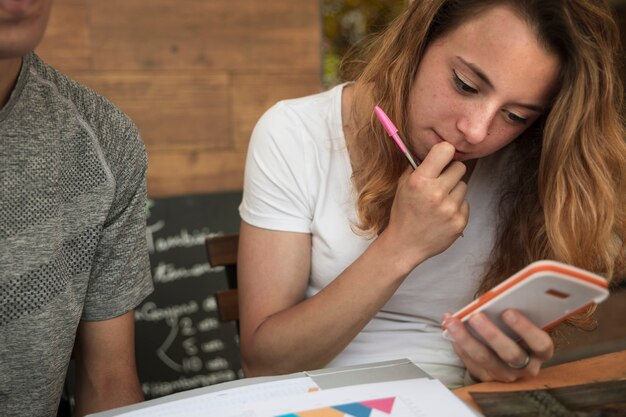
(206, 404)
(421, 397)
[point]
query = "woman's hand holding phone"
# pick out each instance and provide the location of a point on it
(502, 335)
(494, 356)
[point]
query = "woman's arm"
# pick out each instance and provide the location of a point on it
(281, 332)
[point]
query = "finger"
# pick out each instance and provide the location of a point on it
(465, 211)
(436, 160)
(452, 174)
(477, 372)
(457, 194)
(461, 207)
(537, 340)
(499, 372)
(503, 374)
(473, 348)
(484, 362)
(508, 350)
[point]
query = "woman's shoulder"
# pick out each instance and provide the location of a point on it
(313, 117)
(317, 101)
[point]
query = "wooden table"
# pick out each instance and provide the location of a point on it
(607, 367)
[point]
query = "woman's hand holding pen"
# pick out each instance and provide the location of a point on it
(429, 211)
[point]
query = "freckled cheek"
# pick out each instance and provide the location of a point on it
(448, 107)
(430, 96)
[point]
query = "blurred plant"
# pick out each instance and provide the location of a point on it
(346, 22)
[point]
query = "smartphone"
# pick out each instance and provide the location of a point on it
(546, 292)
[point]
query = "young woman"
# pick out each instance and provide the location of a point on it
(348, 255)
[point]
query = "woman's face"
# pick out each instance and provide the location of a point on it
(480, 86)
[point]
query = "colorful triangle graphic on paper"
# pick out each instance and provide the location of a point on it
(358, 409)
(384, 404)
(321, 412)
(354, 409)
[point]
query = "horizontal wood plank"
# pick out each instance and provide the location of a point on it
(178, 172)
(216, 34)
(188, 109)
(67, 41)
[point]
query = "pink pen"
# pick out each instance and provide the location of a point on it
(393, 132)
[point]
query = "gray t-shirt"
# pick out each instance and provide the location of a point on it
(72, 229)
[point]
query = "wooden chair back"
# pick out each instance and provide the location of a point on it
(222, 251)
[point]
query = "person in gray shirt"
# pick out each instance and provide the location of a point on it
(73, 253)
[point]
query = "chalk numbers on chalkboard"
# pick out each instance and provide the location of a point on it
(195, 341)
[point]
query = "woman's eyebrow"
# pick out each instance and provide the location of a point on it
(482, 76)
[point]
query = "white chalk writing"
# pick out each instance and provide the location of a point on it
(160, 388)
(216, 364)
(150, 312)
(165, 272)
(214, 345)
(183, 239)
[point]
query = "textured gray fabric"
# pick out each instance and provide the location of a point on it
(72, 229)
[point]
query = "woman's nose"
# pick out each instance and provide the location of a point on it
(475, 124)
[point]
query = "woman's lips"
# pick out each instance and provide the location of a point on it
(458, 155)
(442, 139)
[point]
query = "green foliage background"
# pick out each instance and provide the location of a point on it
(346, 22)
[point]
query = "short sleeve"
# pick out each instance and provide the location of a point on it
(279, 179)
(120, 277)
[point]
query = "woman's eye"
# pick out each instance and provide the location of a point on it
(515, 118)
(462, 85)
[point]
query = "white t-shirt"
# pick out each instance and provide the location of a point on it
(298, 179)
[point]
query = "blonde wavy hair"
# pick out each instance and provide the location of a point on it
(566, 200)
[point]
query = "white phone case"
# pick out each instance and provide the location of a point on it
(546, 292)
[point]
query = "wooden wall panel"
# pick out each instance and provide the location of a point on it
(203, 171)
(219, 34)
(195, 75)
(68, 36)
(174, 111)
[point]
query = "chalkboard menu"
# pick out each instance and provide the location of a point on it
(180, 344)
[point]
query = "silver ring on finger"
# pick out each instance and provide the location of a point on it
(522, 365)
